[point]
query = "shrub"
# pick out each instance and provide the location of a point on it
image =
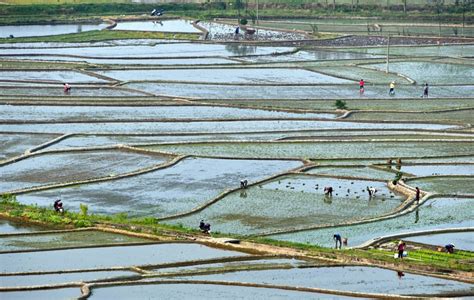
(82, 223)
(84, 208)
(340, 104)
(243, 21)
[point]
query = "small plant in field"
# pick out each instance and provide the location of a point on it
(398, 176)
(340, 104)
(84, 208)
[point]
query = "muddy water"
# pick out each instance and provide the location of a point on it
(176, 189)
(107, 257)
(434, 214)
(294, 202)
(357, 279)
(30, 280)
(42, 30)
(66, 167)
(248, 76)
(62, 113)
(462, 240)
(210, 292)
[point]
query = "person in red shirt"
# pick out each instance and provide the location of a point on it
(67, 88)
(361, 86)
(401, 249)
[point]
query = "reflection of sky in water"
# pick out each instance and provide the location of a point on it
(42, 30)
(434, 214)
(229, 126)
(158, 25)
(62, 113)
(357, 279)
(159, 50)
(209, 91)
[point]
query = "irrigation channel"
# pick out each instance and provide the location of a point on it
(156, 135)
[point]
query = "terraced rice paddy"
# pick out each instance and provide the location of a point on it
(434, 214)
(69, 167)
(296, 200)
(173, 190)
(157, 135)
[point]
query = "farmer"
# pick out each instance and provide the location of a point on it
(391, 92)
(67, 88)
(401, 249)
(449, 248)
(338, 239)
(58, 206)
(425, 91)
(328, 191)
(417, 195)
(243, 184)
(371, 191)
(361, 87)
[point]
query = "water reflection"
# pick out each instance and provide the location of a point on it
(237, 49)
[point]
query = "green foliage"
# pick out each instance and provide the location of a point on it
(340, 104)
(82, 223)
(397, 178)
(243, 21)
(84, 208)
(9, 199)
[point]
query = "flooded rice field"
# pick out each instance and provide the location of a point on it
(49, 76)
(210, 91)
(435, 170)
(356, 279)
(29, 280)
(317, 149)
(445, 185)
(364, 172)
(67, 167)
(247, 76)
(43, 30)
(207, 126)
(81, 91)
(13, 144)
(89, 113)
(462, 240)
(212, 292)
(137, 61)
(7, 226)
(433, 73)
(177, 189)
(64, 240)
(107, 257)
(435, 213)
(296, 200)
(161, 26)
(64, 293)
(178, 50)
(287, 117)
